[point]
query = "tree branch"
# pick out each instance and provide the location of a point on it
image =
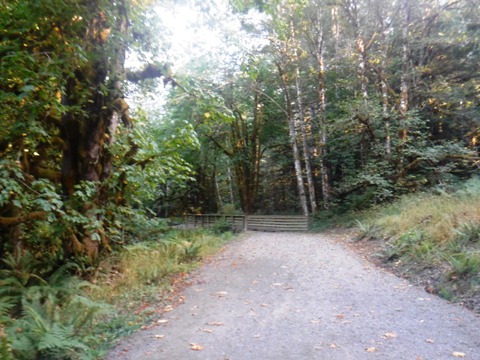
(12, 221)
(151, 71)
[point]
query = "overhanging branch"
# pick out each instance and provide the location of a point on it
(12, 221)
(151, 71)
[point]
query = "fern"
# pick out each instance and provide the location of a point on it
(6, 305)
(49, 319)
(52, 328)
(60, 338)
(5, 348)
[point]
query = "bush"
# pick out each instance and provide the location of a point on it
(221, 226)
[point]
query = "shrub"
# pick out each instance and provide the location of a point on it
(44, 317)
(221, 226)
(367, 230)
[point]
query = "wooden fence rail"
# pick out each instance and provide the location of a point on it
(285, 223)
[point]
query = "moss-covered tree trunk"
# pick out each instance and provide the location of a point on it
(94, 95)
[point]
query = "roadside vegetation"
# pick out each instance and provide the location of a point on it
(432, 238)
(59, 316)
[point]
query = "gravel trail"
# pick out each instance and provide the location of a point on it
(283, 296)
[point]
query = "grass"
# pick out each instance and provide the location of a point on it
(141, 279)
(436, 233)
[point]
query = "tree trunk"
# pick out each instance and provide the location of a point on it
(322, 119)
(230, 185)
(89, 130)
(350, 8)
(404, 78)
(336, 39)
(403, 107)
(305, 147)
(243, 149)
(385, 103)
(386, 118)
(293, 143)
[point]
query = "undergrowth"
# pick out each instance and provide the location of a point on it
(46, 314)
(436, 234)
(139, 280)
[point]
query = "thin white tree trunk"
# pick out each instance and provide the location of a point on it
(219, 196)
(362, 65)
(336, 39)
(322, 118)
(293, 142)
(404, 76)
(298, 165)
(385, 114)
(230, 185)
(306, 151)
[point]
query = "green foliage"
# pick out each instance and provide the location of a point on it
(221, 226)
(229, 209)
(150, 262)
(464, 264)
(45, 316)
(469, 232)
(434, 233)
(145, 270)
(409, 243)
(367, 230)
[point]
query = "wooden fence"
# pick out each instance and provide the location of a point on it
(284, 223)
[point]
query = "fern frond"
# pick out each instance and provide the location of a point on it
(84, 311)
(34, 313)
(6, 304)
(56, 337)
(62, 275)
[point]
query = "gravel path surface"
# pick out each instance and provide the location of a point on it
(285, 296)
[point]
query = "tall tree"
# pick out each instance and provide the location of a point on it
(62, 91)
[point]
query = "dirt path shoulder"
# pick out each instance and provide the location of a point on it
(303, 296)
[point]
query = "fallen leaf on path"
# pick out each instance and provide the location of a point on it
(207, 330)
(315, 321)
(333, 346)
(339, 316)
(389, 335)
(159, 336)
(430, 341)
(371, 349)
(162, 321)
(215, 323)
(196, 347)
(264, 305)
(459, 354)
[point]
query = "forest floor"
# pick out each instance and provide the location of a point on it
(284, 296)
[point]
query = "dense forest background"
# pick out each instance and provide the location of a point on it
(333, 106)
(292, 107)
